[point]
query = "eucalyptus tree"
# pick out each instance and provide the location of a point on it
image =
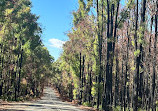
(111, 35)
(107, 60)
(20, 36)
(154, 62)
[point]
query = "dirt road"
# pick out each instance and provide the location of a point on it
(49, 102)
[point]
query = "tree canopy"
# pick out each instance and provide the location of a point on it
(25, 62)
(110, 60)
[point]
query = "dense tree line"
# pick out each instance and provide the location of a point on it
(110, 60)
(24, 61)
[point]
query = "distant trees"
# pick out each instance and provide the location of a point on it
(111, 55)
(24, 61)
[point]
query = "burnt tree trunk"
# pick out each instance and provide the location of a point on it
(154, 65)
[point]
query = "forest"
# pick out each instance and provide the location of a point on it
(25, 62)
(110, 61)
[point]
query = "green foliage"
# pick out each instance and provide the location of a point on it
(130, 4)
(26, 62)
(75, 94)
(94, 89)
(87, 104)
(133, 44)
(139, 99)
(137, 52)
(157, 103)
(124, 15)
(8, 12)
(82, 12)
(141, 34)
(84, 39)
(100, 106)
(89, 5)
(117, 108)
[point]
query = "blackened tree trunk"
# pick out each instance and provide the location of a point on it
(141, 56)
(117, 81)
(80, 95)
(20, 68)
(90, 83)
(100, 37)
(116, 24)
(149, 72)
(121, 92)
(136, 76)
(108, 87)
(154, 65)
(15, 85)
(125, 76)
(127, 68)
(1, 71)
(82, 79)
(117, 62)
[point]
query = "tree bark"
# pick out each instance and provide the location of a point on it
(136, 76)
(80, 95)
(154, 65)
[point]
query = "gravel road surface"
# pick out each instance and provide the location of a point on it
(49, 102)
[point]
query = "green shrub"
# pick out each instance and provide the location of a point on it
(87, 104)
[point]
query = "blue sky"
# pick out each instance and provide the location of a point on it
(55, 19)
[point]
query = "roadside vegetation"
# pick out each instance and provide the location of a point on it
(24, 61)
(110, 59)
(109, 62)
